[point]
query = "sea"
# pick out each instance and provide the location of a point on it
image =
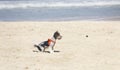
(59, 10)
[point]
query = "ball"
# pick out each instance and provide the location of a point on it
(86, 35)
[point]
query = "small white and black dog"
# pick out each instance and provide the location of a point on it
(50, 43)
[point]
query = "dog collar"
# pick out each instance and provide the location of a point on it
(49, 41)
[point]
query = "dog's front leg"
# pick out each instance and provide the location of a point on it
(51, 49)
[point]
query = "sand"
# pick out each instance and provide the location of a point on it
(86, 45)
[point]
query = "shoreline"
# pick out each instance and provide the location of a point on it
(117, 18)
(84, 21)
(66, 21)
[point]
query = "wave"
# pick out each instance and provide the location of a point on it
(7, 5)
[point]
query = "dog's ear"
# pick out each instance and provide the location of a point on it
(56, 34)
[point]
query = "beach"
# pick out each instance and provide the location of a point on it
(86, 45)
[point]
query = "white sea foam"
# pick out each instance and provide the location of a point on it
(7, 5)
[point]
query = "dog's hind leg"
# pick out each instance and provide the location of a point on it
(38, 47)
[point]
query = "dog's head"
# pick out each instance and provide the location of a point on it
(57, 35)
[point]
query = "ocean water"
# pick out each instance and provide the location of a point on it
(59, 10)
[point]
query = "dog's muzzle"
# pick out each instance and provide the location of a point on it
(59, 37)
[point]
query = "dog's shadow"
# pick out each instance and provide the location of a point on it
(35, 51)
(56, 51)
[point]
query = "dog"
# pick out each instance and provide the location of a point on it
(50, 43)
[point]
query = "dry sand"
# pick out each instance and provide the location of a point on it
(99, 51)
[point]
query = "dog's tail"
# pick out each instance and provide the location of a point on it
(37, 47)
